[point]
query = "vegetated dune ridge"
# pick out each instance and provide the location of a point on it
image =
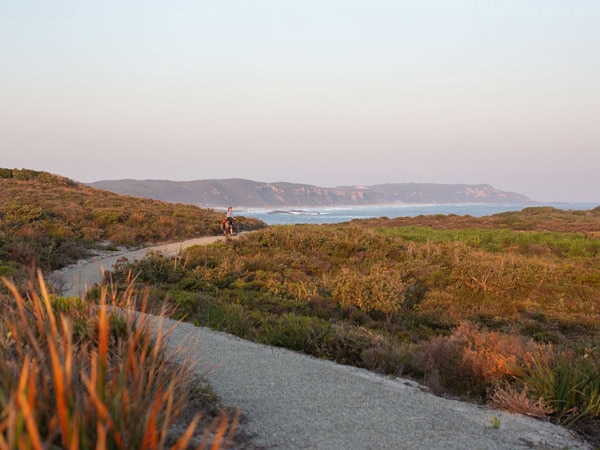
(293, 401)
(48, 221)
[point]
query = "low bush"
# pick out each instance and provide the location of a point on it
(509, 398)
(386, 359)
(471, 361)
(569, 383)
(155, 267)
(307, 334)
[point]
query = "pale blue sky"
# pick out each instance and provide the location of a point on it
(337, 92)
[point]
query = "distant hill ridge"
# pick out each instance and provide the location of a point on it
(253, 194)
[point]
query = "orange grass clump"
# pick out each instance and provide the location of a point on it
(509, 398)
(471, 361)
(104, 383)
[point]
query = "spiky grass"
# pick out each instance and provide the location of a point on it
(110, 386)
(569, 383)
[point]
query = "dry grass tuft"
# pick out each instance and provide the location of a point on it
(509, 398)
(80, 375)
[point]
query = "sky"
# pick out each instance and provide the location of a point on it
(322, 92)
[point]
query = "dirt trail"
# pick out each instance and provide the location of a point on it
(293, 401)
(78, 277)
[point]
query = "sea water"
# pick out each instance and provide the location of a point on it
(283, 216)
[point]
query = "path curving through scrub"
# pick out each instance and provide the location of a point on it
(294, 401)
(77, 278)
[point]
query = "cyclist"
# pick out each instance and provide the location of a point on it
(229, 219)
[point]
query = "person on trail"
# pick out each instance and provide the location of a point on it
(229, 219)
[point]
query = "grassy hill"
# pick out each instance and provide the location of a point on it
(49, 221)
(542, 218)
(504, 310)
(65, 366)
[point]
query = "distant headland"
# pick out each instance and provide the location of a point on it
(253, 194)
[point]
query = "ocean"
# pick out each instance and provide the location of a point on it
(286, 216)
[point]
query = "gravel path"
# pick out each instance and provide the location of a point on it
(293, 401)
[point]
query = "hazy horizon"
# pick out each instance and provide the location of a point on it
(335, 93)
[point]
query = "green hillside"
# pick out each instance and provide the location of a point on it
(49, 221)
(503, 310)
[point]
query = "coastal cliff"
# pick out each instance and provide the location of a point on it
(246, 193)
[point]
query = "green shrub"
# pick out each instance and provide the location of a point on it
(388, 360)
(184, 302)
(104, 218)
(238, 322)
(154, 267)
(21, 214)
(225, 316)
(8, 268)
(302, 333)
(568, 382)
(347, 344)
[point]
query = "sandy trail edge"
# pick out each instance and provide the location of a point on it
(293, 401)
(78, 277)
